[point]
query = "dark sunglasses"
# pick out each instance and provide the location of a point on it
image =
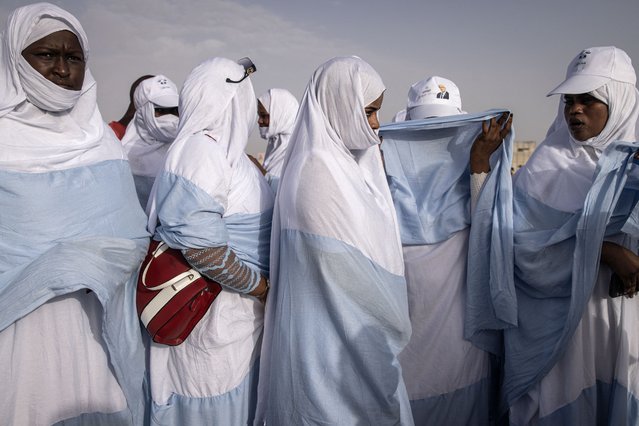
(249, 68)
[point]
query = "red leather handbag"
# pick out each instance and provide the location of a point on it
(171, 296)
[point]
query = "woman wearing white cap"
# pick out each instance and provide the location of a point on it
(574, 357)
(70, 243)
(150, 133)
(337, 316)
(276, 110)
(448, 379)
(425, 99)
(213, 204)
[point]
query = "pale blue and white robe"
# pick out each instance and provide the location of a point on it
(72, 237)
(64, 230)
(449, 380)
(574, 357)
(337, 315)
(209, 194)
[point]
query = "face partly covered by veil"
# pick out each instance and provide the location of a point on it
(336, 185)
(29, 99)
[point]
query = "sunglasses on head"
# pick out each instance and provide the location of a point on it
(249, 68)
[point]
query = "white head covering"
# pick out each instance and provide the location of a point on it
(208, 103)
(333, 183)
(561, 169)
(147, 137)
(282, 108)
(44, 126)
(423, 100)
(224, 113)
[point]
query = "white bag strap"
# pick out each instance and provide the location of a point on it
(163, 297)
(190, 275)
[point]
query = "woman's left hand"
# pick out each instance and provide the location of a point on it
(624, 263)
(492, 135)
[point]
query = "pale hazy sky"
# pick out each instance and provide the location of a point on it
(501, 53)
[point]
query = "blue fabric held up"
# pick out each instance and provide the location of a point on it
(427, 163)
(557, 264)
(80, 228)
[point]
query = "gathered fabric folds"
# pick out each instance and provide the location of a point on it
(209, 194)
(568, 325)
(449, 379)
(337, 315)
(72, 237)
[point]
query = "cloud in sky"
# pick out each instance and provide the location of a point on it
(500, 53)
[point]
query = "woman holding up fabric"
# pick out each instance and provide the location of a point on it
(430, 171)
(210, 202)
(337, 316)
(574, 357)
(276, 110)
(72, 236)
(150, 133)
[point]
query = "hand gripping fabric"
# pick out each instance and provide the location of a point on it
(171, 297)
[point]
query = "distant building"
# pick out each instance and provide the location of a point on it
(521, 152)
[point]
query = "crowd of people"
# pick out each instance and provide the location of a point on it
(412, 281)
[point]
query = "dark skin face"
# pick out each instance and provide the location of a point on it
(371, 112)
(585, 115)
(59, 58)
(263, 117)
(159, 111)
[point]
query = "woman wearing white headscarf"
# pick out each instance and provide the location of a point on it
(573, 359)
(337, 315)
(212, 203)
(70, 223)
(150, 133)
(276, 109)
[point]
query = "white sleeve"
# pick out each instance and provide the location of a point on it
(476, 183)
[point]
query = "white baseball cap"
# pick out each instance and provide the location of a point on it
(159, 90)
(423, 100)
(594, 67)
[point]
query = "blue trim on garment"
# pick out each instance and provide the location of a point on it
(601, 404)
(235, 407)
(467, 406)
(121, 418)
